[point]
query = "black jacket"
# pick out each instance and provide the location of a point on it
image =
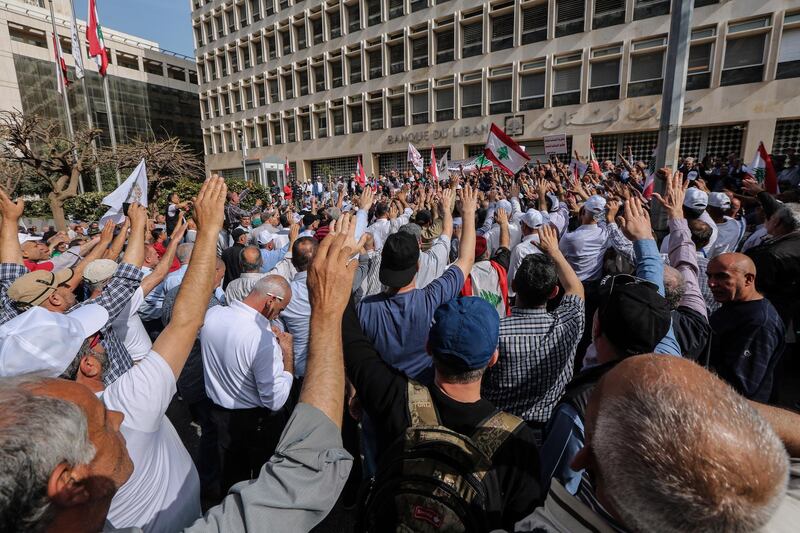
(778, 273)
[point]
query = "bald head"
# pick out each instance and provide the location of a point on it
(250, 259)
(732, 278)
(269, 296)
(673, 448)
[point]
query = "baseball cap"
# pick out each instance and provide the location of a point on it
(695, 198)
(465, 332)
(412, 229)
(595, 204)
(45, 342)
(632, 314)
(692, 175)
(399, 260)
(265, 237)
(532, 218)
(99, 270)
(35, 287)
(24, 237)
(505, 205)
(719, 199)
(236, 233)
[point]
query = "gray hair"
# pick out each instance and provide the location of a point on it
(674, 286)
(37, 433)
(71, 373)
(789, 216)
(184, 252)
(272, 285)
(675, 457)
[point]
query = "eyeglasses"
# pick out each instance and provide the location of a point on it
(279, 298)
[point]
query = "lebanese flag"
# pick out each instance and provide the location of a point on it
(61, 67)
(287, 169)
(578, 169)
(593, 158)
(763, 171)
(650, 180)
(434, 169)
(504, 152)
(94, 36)
(361, 176)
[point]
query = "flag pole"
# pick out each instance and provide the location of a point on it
(65, 97)
(111, 132)
(86, 102)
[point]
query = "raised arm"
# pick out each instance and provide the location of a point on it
(447, 213)
(548, 243)
(10, 250)
(119, 241)
(106, 236)
(178, 337)
(161, 270)
(134, 253)
(466, 247)
(505, 235)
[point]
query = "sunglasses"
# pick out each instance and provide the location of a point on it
(279, 298)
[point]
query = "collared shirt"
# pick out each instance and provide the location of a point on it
(493, 237)
(525, 248)
(243, 365)
(151, 307)
(270, 258)
(537, 348)
(731, 232)
(382, 228)
(239, 288)
(295, 319)
(175, 278)
(585, 247)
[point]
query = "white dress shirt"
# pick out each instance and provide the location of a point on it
(239, 288)
(584, 249)
(383, 227)
(130, 330)
(731, 232)
(755, 238)
(434, 261)
(520, 252)
(295, 319)
(493, 237)
(174, 279)
(242, 361)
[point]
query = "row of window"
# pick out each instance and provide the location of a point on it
(39, 38)
(743, 61)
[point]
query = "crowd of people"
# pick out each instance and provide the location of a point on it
(555, 350)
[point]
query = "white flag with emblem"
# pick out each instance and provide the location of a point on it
(415, 158)
(504, 152)
(133, 189)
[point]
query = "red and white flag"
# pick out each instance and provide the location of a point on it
(763, 171)
(593, 158)
(361, 176)
(287, 169)
(504, 152)
(61, 67)
(94, 36)
(434, 170)
(650, 178)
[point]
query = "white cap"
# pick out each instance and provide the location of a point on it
(595, 204)
(506, 205)
(532, 218)
(719, 199)
(280, 240)
(99, 270)
(695, 198)
(265, 237)
(24, 237)
(44, 342)
(692, 175)
(458, 221)
(554, 204)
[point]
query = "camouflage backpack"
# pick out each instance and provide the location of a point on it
(434, 479)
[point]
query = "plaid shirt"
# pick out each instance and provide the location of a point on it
(537, 348)
(116, 294)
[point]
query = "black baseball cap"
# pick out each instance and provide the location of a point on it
(236, 233)
(399, 260)
(632, 314)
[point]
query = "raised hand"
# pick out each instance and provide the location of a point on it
(675, 191)
(209, 209)
(11, 211)
(548, 240)
(330, 277)
(636, 222)
(751, 186)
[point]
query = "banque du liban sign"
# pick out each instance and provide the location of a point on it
(437, 134)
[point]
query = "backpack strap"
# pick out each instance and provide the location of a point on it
(493, 432)
(420, 405)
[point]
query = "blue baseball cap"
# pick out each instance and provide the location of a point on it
(465, 332)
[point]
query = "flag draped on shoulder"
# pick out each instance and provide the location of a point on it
(133, 189)
(763, 171)
(415, 158)
(361, 176)
(77, 49)
(94, 36)
(504, 152)
(61, 66)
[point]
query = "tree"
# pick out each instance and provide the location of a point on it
(168, 161)
(38, 149)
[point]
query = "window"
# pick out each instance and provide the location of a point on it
(276, 132)
(322, 124)
(128, 61)
(604, 79)
(300, 34)
(534, 24)
(316, 30)
(305, 127)
(471, 96)
(319, 78)
(229, 16)
(262, 94)
(373, 12)
(608, 13)
(569, 17)
(701, 3)
(209, 30)
(283, 4)
(397, 112)
(376, 115)
(418, 5)
(193, 77)
(288, 86)
(269, 7)
(650, 8)
(274, 95)
(744, 56)
(258, 46)
(419, 108)
(395, 9)
(302, 76)
(698, 75)
(220, 26)
(335, 24)
(647, 68)
(255, 9)
(337, 115)
(271, 46)
(353, 17)
(789, 55)
(354, 64)
(419, 52)
(246, 56)
(198, 36)
(291, 135)
(375, 59)
(472, 39)
(567, 85)
(286, 42)
(356, 118)
(236, 96)
(176, 73)
(226, 100)
(248, 97)
(499, 96)
(336, 72)
(155, 67)
(444, 46)
(502, 32)
(396, 59)
(444, 103)
(243, 15)
(531, 88)
(223, 66)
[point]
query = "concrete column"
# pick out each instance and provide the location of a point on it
(582, 143)
(761, 130)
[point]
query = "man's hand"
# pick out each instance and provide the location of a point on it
(209, 209)
(447, 200)
(11, 211)
(294, 231)
(612, 208)
(469, 200)
(107, 235)
(501, 217)
(751, 186)
(675, 192)
(179, 230)
(137, 215)
(365, 202)
(548, 240)
(636, 222)
(330, 277)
